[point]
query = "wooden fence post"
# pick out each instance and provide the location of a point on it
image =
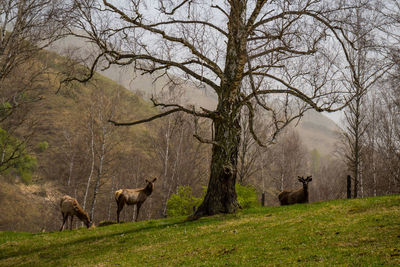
(348, 186)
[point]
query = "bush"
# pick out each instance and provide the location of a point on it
(181, 203)
(247, 196)
(15, 158)
(25, 167)
(42, 146)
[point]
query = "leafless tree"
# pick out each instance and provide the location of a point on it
(330, 179)
(26, 27)
(246, 51)
(103, 109)
(249, 150)
(388, 135)
(181, 160)
(371, 64)
(91, 151)
(289, 160)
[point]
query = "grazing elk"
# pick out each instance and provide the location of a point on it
(297, 196)
(70, 207)
(133, 197)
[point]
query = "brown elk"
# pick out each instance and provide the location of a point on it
(296, 196)
(133, 197)
(70, 207)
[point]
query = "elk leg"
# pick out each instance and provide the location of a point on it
(138, 205)
(64, 220)
(120, 207)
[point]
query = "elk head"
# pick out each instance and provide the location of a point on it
(150, 184)
(305, 181)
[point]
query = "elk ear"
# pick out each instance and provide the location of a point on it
(300, 179)
(154, 180)
(310, 179)
(147, 181)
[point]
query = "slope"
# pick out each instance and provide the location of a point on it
(35, 207)
(361, 232)
(316, 130)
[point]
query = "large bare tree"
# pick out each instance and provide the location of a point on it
(284, 56)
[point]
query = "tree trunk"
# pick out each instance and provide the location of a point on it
(111, 197)
(355, 195)
(96, 188)
(221, 194)
(99, 173)
(71, 167)
(348, 186)
(92, 164)
(172, 183)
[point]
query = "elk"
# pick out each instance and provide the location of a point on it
(296, 196)
(70, 207)
(133, 197)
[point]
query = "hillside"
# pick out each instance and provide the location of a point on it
(361, 232)
(56, 117)
(316, 130)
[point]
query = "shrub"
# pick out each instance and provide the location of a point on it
(25, 167)
(247, 196)
(42, 146)
(5, 109)
(181, 203)
(15, 158)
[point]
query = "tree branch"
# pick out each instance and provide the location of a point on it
(160, 115)
(213, 66)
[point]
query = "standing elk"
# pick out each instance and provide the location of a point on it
(133, 197)
(70, 207)
(296, 196)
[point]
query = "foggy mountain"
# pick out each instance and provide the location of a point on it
(316, 130)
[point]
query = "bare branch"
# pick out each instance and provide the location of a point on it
(160, 115)
(212, 65)
(209, 114)
(173, 10)
(86, 78)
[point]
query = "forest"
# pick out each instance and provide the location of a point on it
(220, 106)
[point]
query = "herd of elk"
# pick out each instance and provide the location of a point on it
(296, 196)
(70, 206)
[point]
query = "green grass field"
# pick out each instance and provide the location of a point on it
(361, 232)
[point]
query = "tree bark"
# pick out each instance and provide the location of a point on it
(221, 194)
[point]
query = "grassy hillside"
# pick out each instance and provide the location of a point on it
(361, 232)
